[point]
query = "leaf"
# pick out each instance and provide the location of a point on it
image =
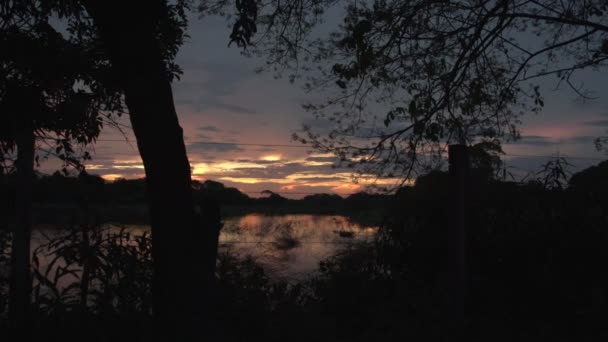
(413, 108)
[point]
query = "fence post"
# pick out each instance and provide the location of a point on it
(458, 203)
(20, 288)
(206, 238)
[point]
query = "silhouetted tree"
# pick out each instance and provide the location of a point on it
(554, 174)
(216, 191)
(272, 198)
(141, 39)
(405, 78)
(327, 201)
(138, 42)
(486, 163)
(50, 92)
(592, 179)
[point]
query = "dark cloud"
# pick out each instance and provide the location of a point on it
(536, 140)
(204, 137)
(294, 165)
(583, 139)
(597, 123)
(209, 129)
(266, 149)
(330, 159)
(202, 147)
(257, 161)
(318, 124)
(211, 82)
(214, 103)
(202, 96)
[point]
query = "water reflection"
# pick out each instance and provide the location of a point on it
(291, 246)
(287, 246)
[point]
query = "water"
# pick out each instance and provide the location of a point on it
(289, 247)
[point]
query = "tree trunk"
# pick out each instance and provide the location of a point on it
(21, 281)
(129, 37)
(161, 145)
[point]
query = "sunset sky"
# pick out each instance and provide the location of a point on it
(220, 98)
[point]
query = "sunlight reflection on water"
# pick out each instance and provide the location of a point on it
(291, 246)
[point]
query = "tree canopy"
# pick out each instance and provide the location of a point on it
(403, 79)
(57, 80)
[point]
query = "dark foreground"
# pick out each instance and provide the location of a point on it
(536, 271)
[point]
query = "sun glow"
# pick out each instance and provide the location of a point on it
(200, 169)
(112, 176)
(248, 180)
(272, 157)
(347, 188)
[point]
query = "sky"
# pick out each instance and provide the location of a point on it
(221, 99)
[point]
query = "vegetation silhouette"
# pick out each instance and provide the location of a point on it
(55, 99)
(136, 43)
(535, 259)
(56, 196)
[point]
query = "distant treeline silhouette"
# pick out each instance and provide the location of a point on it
(125, 198)
(52, 193)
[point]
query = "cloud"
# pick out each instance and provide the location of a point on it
(597, 123)
(536, 140)
(203, 147)
(209, 129)
(265, 149)
(317, 125)
(212, 85)
(582, 139)
(214, 103)
(328, 159)
(204, 137)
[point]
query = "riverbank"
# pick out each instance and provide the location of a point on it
(68, 214)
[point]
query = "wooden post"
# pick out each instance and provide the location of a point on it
(205, 244)
(459, 188)
(21, 281)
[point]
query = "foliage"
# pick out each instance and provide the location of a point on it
(90, 275)
(534, 251)
(554, 174)
(485, 159)
(401, 79)
(591, 180)
(63, 77)
(211, 190)
(5, 249)
(93, 269)
(55, 79)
